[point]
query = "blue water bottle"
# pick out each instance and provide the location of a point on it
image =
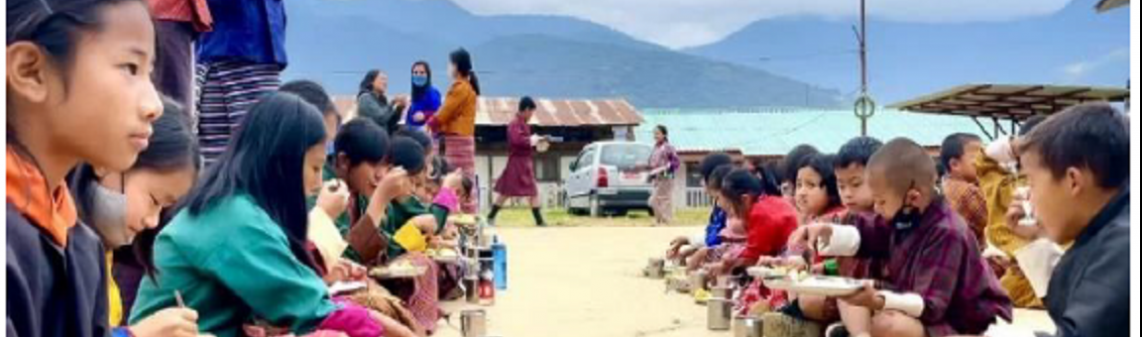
(500, 263)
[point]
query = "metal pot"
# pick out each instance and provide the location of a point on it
(747, 326)
(655, 268)
(718, 312)
(473, 323)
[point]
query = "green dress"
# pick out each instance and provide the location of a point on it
(232, 263)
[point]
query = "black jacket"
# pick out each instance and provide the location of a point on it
(54, 291)
(1089, 294)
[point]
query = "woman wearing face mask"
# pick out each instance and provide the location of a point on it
(425, 97)
(120, 205)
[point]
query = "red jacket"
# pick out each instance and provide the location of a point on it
(770, 222)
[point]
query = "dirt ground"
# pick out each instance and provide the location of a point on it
(586, 282)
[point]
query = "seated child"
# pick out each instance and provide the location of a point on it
(937, 283)
(849, 168)
(817, 196)
(683, 247)
(731, 238)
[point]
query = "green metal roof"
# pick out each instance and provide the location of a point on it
(776, 131)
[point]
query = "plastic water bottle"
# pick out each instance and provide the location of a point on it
(500, 263)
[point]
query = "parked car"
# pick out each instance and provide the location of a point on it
(600, 181)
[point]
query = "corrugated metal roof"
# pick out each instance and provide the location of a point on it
(1106, 5)
(494, 111)
(1009, 101)
(765, 133)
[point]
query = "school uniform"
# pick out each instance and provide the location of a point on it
(55, 268)
(933, 271)
(1089, 292)
(232, 263)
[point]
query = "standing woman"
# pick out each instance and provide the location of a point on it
(425, 97)
(518, 178)
(456, 120)
(236, 251)
(78, 90)
(120, 206)
(662, 165)
(374, 105)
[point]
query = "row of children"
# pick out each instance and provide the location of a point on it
(875, 212)
(96, 161)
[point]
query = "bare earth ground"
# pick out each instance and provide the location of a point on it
(582, 279)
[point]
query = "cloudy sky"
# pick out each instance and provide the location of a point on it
(685, 23)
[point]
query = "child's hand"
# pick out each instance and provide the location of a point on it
(395, 184)
(867, 297)
(806, 237)
(333, 198)
(454, 181)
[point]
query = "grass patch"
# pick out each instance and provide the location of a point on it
(521, 217)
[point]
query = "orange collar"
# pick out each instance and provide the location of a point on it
(54, 213)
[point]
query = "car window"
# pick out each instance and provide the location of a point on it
(587, 158)
(625, 155)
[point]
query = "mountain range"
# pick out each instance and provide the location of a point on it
(785, 61)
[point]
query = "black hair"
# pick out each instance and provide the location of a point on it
(774, 169)
(312, 93)
(740, 182)
(366, 86)
(406, 153)
(1095, 136)
(440, 168)
(420, 137)
(466, 186)
(172, 147)
(711, 162)
(418, 92)
(717, 174)
(463, 62)
(266, 159)
(823, 164)
(1031, 123)
(856, 151)
(526, 103)
(662, 128)
(792, 161)
(55, 27)
(953, 147)
(770, 184)
(361, 140)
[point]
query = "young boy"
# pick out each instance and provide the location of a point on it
(717, 216)
(849, 168)
(1077, 164)
(960, 185)
(998, 182)
(937, 284)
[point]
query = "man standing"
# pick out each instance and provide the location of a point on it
(518, 178)
(238, 62)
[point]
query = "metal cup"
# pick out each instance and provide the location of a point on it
(718, 312)
(747, 326)
(698, 280)
(656, 268)
(473, 323)
(722, 292)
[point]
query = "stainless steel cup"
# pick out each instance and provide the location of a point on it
(718, 312)
(473, 323)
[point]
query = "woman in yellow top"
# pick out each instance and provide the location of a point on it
(998, 186)
(455, 122)
(121, 205)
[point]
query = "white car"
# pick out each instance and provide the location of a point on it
(599, 182)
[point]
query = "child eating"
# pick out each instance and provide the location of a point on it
(937, 284)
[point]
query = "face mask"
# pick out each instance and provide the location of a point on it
(907, 217)
(420, 81)
(109, 216)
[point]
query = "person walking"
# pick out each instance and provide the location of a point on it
(518, 178)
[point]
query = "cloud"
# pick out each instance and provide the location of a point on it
(1078, 70)
(684, 23)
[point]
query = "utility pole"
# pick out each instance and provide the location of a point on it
(865, 107)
